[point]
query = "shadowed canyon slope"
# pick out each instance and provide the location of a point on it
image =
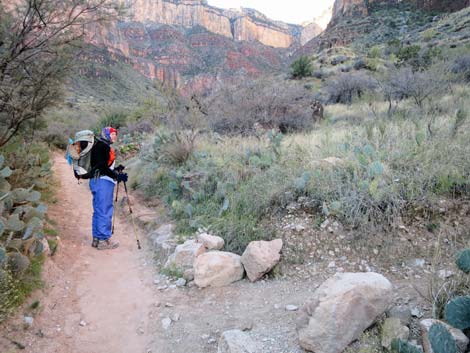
(348, 8)
(355, 19)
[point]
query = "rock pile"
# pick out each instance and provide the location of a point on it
(203, 260)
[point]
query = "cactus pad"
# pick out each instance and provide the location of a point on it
(457, 312)
(441, 340)
(463, 261)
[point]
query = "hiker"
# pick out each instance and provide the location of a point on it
(103, 178)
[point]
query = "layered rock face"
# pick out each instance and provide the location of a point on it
(190, 59)
(244, 25)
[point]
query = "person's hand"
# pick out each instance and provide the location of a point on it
(119, 168)
(122, 177)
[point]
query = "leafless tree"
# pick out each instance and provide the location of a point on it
(417, 85)
(345, 87)
(38, 39)
(269, 103)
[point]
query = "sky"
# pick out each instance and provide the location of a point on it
(291, 11)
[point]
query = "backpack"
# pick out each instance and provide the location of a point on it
(79, 152)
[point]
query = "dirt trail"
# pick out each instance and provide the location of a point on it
(94, 301)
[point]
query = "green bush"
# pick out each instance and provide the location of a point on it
(302, 67)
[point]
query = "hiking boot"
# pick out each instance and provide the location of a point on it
(95, 242)
(107, 244)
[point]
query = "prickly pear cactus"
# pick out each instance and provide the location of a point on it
(3, 257)
(463, 261)
(457, 312)
(400, 346)
(441, 340)
(14, 223)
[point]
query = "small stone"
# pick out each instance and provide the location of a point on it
(415, 312)
(247, 325)
(83, 323)
(175, 317)
(181, 282)
(169, 305)
(211, 340)
(166, 323)
(376, 251)
(291, 307)
(443, 274)
(28, 320)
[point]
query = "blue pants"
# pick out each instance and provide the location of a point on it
(102, 191)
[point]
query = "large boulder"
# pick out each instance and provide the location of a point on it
(460, 339)
(236, 341)
(260, 257)
(211, 242)
(184, 255)
(217, 269)
(341, 309)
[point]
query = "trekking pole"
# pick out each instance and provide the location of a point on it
(114, 208)
(132, 216)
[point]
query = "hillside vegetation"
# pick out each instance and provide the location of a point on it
(392, 143)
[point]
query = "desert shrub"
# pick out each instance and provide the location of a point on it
(345, 87)
(375, 52)
(174, 148)
(302, 67)
(30, 164)
(338, 59)
(429, 34)
(359, 63)
(419, 86)
(408, 55)
(461, 67)
(114, 119)
(237, 108)
(139, 127)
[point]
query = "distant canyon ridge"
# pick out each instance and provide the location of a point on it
(191, 46)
